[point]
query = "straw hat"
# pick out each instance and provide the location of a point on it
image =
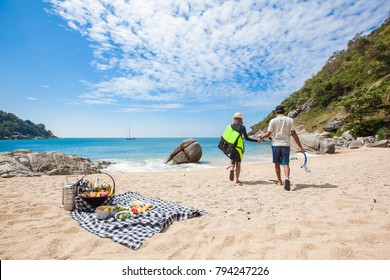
(238, 116)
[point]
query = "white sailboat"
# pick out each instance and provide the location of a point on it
(129, 136)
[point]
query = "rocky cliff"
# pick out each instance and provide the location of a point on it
(29, 163)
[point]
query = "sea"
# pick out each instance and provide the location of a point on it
(141, 154)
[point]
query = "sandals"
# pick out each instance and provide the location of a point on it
(231, 175)
(287, 184)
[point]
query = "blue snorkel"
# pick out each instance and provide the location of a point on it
(305, 163)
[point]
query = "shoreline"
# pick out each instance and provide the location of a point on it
(139, 155)
(340, 210)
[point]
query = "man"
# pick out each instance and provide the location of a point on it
(282, 127)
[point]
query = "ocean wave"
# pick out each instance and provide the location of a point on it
(158, 165)
(154, 166)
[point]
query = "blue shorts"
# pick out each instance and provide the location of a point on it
(281, 155)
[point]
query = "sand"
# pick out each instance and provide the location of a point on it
(339, 211)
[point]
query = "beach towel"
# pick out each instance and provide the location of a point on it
(140, 227)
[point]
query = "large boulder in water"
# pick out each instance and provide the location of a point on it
(188, 151)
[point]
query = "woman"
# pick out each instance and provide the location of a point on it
(234, 143)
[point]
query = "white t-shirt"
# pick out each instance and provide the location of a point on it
(281, 127)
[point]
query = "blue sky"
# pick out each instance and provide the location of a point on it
(169, 68)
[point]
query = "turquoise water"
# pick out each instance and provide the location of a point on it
(139, 155)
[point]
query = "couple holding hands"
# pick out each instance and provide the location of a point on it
(281, 128)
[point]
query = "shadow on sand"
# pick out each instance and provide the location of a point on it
(259, 182)
(307, 186)
(296, 187)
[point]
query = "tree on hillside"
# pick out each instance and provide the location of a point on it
(361, 105)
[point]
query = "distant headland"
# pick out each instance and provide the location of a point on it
(12, 128)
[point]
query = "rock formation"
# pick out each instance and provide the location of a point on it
(311, 142)
(348, 141)
(315, 143)
(29, 163)
(188, 151)
(333, 125)
(323, 143)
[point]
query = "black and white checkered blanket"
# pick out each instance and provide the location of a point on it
(134, 231)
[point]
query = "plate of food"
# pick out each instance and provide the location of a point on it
(119, 208)
(123, 215)
(137, 203)
(138, 207)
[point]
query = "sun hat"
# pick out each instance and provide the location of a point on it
(279, 109)
(238, 116)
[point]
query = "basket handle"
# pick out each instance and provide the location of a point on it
(81, 179)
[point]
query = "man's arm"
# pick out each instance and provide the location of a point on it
(265, 135)
(296, 138)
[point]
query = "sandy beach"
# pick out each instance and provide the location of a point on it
(340, 210)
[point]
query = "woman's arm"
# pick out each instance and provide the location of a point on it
(265, 135)
(246, 135)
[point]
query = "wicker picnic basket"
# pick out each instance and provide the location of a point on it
(90, 195)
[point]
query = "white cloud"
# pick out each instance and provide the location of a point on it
(215, 52)
(32, 98)
(151, 108)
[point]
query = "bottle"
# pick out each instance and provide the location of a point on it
(96, 184)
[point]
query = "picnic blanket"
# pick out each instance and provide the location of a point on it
(134, 231)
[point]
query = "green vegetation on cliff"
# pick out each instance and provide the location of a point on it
(353, 87)
(11, 127)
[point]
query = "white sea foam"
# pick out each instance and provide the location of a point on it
(158, 165)
(153, 166)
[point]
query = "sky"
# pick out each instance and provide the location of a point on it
(167, 68)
